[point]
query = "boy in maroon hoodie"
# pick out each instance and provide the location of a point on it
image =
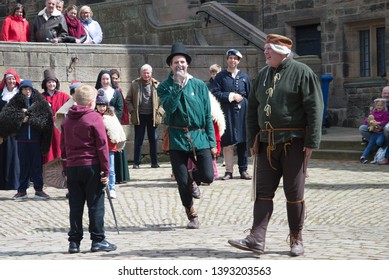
(84, 149)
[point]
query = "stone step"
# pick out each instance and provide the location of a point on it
(337, 154)
(341, 145)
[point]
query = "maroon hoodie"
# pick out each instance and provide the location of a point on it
(84, 139)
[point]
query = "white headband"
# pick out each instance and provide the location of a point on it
(280, 49)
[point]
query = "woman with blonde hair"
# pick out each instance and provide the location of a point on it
(92, 27)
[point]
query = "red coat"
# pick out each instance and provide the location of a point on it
(56, 101)
(15, 29)
(125, 117)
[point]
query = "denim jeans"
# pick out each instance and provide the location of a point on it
(112, 175)
(375, 139)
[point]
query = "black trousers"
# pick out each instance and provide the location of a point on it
(30, 159)
(202, 173)
(84, 185)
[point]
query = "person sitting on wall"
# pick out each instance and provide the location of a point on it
(364, 128)
(376, 121)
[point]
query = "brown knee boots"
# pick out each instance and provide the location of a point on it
(296, 244)
(193, 218)
(255, 241)
(296, 212)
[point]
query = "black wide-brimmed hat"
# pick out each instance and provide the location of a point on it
(178, 49)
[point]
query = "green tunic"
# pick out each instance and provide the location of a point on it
(287, 97)
(187, 107)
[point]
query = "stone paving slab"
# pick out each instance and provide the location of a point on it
(347, 219)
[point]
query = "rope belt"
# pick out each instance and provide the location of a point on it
(186, 129)
(271, 144)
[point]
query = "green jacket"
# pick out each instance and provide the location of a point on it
(187, 107)
(296, 101)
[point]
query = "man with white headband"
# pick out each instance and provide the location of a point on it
(284, 121)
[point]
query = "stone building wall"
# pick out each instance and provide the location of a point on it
(350, 95)
(31, 59)
(162, 22)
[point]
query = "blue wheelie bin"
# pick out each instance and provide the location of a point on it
(325, 83)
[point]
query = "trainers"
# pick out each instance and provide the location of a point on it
(112, 194)
(363, 160)
(155, 165)
(20, 196)
(41, 195)
(74, 247)
(364, 141)
(102, 246)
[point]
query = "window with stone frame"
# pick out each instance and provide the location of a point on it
(366, 48)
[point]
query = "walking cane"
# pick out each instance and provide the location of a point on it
(110, 202)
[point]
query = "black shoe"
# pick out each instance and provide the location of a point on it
(135, 166)
(227, 176)
(244, 175)
(155, 165)
(363, 160)
(74, 247)
(102, 246)
(364, 141)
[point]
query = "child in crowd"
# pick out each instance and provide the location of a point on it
(84, 148)
(377, 119)
(33, 119)
(115, 134)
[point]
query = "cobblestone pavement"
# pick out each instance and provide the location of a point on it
(347, 219)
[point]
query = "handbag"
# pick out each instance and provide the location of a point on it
(166, 140)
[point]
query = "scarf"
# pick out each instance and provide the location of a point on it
(86, 21)
(75, 28)
(7, 95)
(17, 18)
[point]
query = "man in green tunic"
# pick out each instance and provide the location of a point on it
(190, 128)
(284, 122)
